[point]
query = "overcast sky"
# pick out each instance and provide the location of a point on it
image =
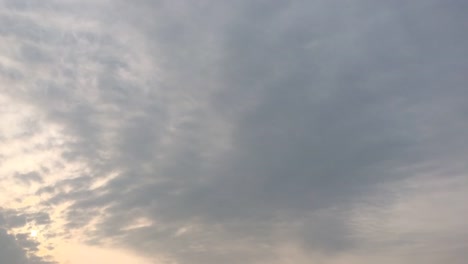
(246, 131)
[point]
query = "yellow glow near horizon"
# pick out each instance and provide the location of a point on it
(72, 253)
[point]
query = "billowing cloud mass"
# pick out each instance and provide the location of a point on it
(258, 132)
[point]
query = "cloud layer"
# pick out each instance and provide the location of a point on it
(244, 132)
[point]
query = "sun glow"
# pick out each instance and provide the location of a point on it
(33, 233)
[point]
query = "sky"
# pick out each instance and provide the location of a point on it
(247, 131)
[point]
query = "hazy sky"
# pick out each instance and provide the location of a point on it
(243, 131)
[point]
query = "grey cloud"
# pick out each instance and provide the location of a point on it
(10, 73)
(268, 122)
(16, 218)
(13, 251)
(10, 252)
(28, 178)
(34, 54)
(25, 4)
(26, 243)
(41, 218)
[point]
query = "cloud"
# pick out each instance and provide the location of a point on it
(10, 251)
(17, 218)
(29, 178)
(255, 132)
(19, 249)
